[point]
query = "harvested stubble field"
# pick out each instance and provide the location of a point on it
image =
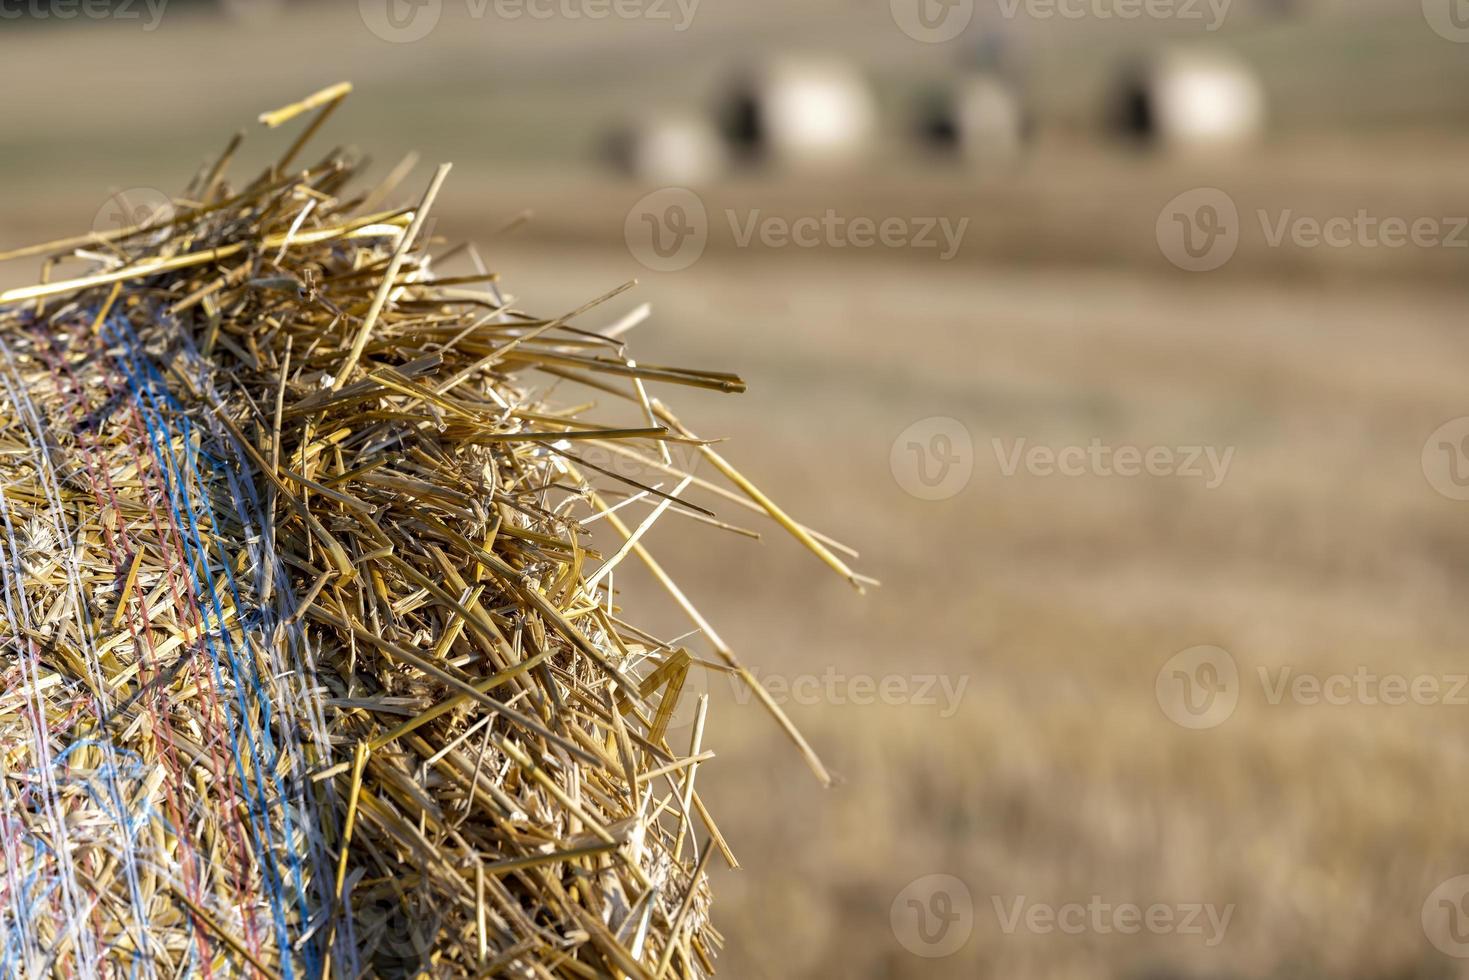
(1058, 599)
(1058, 777)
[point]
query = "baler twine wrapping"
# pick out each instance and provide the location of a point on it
(309, 666)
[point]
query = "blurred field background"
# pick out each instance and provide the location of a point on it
(1054, 600)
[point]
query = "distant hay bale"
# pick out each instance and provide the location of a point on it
(313, 660)
(1190, 101)
(980, 118)
(668, 150)
(800, 113)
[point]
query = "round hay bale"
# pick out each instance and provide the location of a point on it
(310, 663)
(800, 113)
(1190, 101)
(668, 150)
(980, 118)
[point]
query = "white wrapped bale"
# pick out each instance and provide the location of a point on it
(801, 113)
(1191, 101)
(981, 118)
(669, 150)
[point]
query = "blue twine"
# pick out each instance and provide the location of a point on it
(148, 391)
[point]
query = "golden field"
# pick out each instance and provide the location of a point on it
(1023, 621)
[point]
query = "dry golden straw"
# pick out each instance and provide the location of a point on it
(311, 666)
